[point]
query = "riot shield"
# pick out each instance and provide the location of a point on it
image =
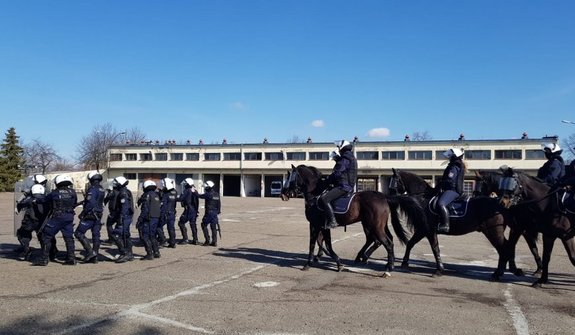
(19, 190)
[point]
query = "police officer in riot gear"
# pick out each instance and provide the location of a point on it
(34, 215)
(553, 169)
(343, 179)
(125, 207)
(168, 213)
(61, 202)
(451, 186)
(90, 218)
(189, 200)
(148, 220)
(213, 207)
(113, 212)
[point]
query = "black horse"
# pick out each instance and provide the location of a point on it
(535, 205)
(372, 208)
(487, 183)
(483, 214)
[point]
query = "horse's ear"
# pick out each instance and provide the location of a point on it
(394, 171)
(292, 167)
(477, 174)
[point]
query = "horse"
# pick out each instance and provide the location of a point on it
(483, 214)
(372, 208)
(487, 183)
(535, 205)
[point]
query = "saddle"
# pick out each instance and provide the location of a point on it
(341, 204)
(457, 208)
(567, 202)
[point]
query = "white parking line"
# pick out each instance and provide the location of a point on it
(514, 309)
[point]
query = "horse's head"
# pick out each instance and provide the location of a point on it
(291, 187)
(510, 188)
(407, 182)
(301, 180)
(487, 183)
(396, 185)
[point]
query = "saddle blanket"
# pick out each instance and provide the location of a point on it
(457, 208)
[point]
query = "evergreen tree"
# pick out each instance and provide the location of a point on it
(11, 161)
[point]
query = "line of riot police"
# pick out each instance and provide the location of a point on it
(53, 212)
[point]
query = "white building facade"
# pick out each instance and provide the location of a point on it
(249, 169)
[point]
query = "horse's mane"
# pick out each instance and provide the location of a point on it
(414, 178)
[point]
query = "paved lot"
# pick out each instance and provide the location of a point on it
(253, 284)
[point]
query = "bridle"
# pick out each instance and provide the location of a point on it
(396, 184)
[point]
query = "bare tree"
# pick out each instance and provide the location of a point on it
(133, 135)
(569, 146)
(63, 164)
(40, 156)
(421, 136)
(93, 148)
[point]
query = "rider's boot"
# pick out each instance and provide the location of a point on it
(330, 217)
(443, 227)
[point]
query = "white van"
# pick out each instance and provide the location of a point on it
(276, 187)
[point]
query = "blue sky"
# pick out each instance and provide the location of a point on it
(249, 69)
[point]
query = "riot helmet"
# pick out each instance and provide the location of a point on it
(149, 185)
(63, 180)
(453, 153)
(94, 176)
(343, 145)
(120, 181)
(208, 185)
(188, 182)
(39, 179)
(168, 184)
(38, 189)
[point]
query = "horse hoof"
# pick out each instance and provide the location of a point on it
(519, 273)
(305, 268)
(437, 274)
(405, 266)
(339, 268)
(537, 273)
(386, 274)
(537, 284)
(315, 259)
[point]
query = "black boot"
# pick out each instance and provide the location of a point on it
(206, 235)
(171, 238)
(155, 248)
(330, 217)
(161, 237)
(184, 231)
(443, 227)
(214, 237)
(70, 251)
(96, 250)
(194, 240)
(26, 251)
(149, 253)
(128, 255)
(87, 247)
(45, 257)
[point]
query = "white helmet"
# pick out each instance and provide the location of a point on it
(149, 183)
(120, 181)
(38, 189)
(453, 152)
(209, 184)
(63, 180)
(93, 176)
(188, 181)
(343, 145)
(334, 155)
(550, 147)
(168, 184)
(39, 179)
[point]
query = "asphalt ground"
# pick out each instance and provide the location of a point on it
(253, 284)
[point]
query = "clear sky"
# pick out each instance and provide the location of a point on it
(248, 69)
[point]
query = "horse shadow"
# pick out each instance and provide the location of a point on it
(9, 251)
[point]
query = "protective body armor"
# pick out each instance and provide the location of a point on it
(344, 173)
(150, 205)
(169, 201)
(125, 202)
(63, 202)
(452, 178)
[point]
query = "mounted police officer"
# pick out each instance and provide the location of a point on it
(113, 212)
(189, 200)
(90, 218)
(125, 207)
(554, 168)
(148, 220)
(169, 198)
(213, 207)
(343, 179)
(34, 215)
(450, 186)
(61, 202)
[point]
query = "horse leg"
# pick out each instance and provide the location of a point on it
(531, 239)
(320, 247)
(514, 235)
(495, 235)
(548, 242)
(417, 236)
(361, 256)
(327, 237)
(434, 242)
(313, 236)
(570, 249)
(388, 245)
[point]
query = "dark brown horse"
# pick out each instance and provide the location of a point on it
(373, 209)
(483, 215)
(535, 205)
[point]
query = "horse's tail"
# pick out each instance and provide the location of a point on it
(414, 212)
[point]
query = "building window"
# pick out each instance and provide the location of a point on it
(534, 154)
(131, 176)
(478, 154)
(367, 155)
(419, 155)
(274, 156)
(319, 156)
(115, 157)
(253, 156)
(296, 156)
(145, 157)
(393, 155)
(176, 156)
(192, 156)
(161, 156)
(131, 157)
(231, 156)
(468, 188)
(507, 154)
(212, 156)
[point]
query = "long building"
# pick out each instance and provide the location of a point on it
(248, 170)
